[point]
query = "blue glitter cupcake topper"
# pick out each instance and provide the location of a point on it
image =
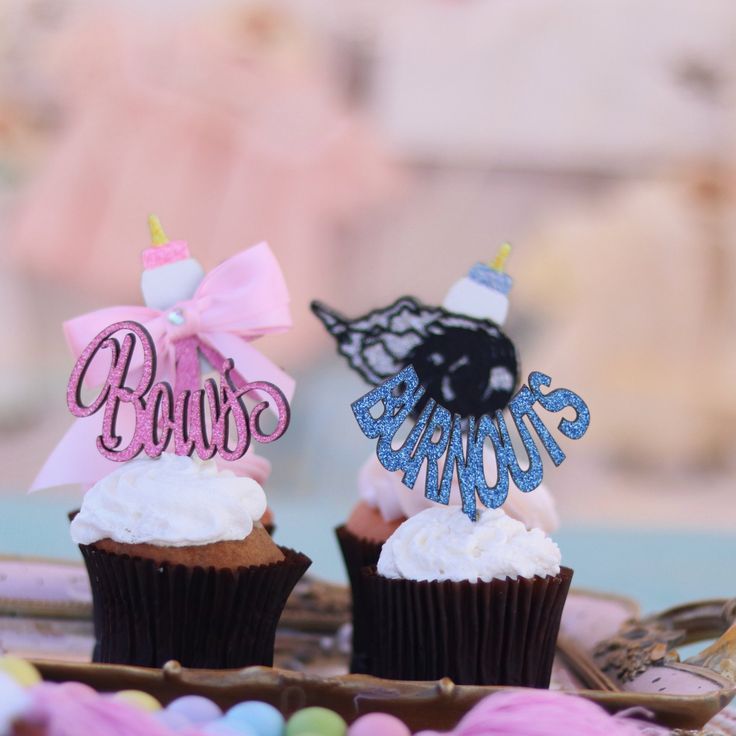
(452, 370)
(463, 449)
(483, 274)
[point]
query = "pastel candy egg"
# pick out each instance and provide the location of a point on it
(373, 724)
(221, 728)
(316, 721)
(138, 699)
(195, 708)
(263, 719)
(24, 673)
(173, 721)
(13, 702)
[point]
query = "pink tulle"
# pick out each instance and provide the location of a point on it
(71, 709)
(544, 713)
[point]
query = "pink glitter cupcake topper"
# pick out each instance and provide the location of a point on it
(161, 416)
(176, 250)
(190, 319)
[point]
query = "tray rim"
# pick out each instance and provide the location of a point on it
(171, 680)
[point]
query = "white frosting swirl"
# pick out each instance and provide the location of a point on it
(173, 501)
(384, 491)
(442, 543)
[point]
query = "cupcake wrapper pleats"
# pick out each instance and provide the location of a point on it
(502, 632)
(357, 554)
(147, 614)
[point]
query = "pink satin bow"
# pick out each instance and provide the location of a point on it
(242, 299)
(237, 302)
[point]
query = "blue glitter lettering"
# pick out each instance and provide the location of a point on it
(467, 463)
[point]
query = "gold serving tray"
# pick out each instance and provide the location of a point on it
(605, 653)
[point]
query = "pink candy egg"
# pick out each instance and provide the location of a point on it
(373, 724)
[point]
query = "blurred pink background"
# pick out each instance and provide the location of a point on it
(381, 148)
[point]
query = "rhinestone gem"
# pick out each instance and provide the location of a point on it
(176, 317)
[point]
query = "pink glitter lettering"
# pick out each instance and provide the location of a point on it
(208, 421)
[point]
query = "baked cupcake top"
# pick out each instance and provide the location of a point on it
(173, 501)
(442, 543)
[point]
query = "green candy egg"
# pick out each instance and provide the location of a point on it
(311, 721)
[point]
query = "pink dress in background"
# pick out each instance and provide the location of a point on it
(231, 133)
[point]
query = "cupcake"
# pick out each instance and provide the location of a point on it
(474, 307)
(181, 566)
(385, 504)
(477, 601)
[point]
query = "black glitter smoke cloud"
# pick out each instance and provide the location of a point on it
(467, 365)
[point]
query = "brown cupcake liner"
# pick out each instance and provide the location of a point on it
(147, 614)
(502, 632)
(357, 553)
(98, 608)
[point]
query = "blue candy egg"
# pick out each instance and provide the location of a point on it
(220, 727)
(262, 718)
(195, 708)
(172, 720)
